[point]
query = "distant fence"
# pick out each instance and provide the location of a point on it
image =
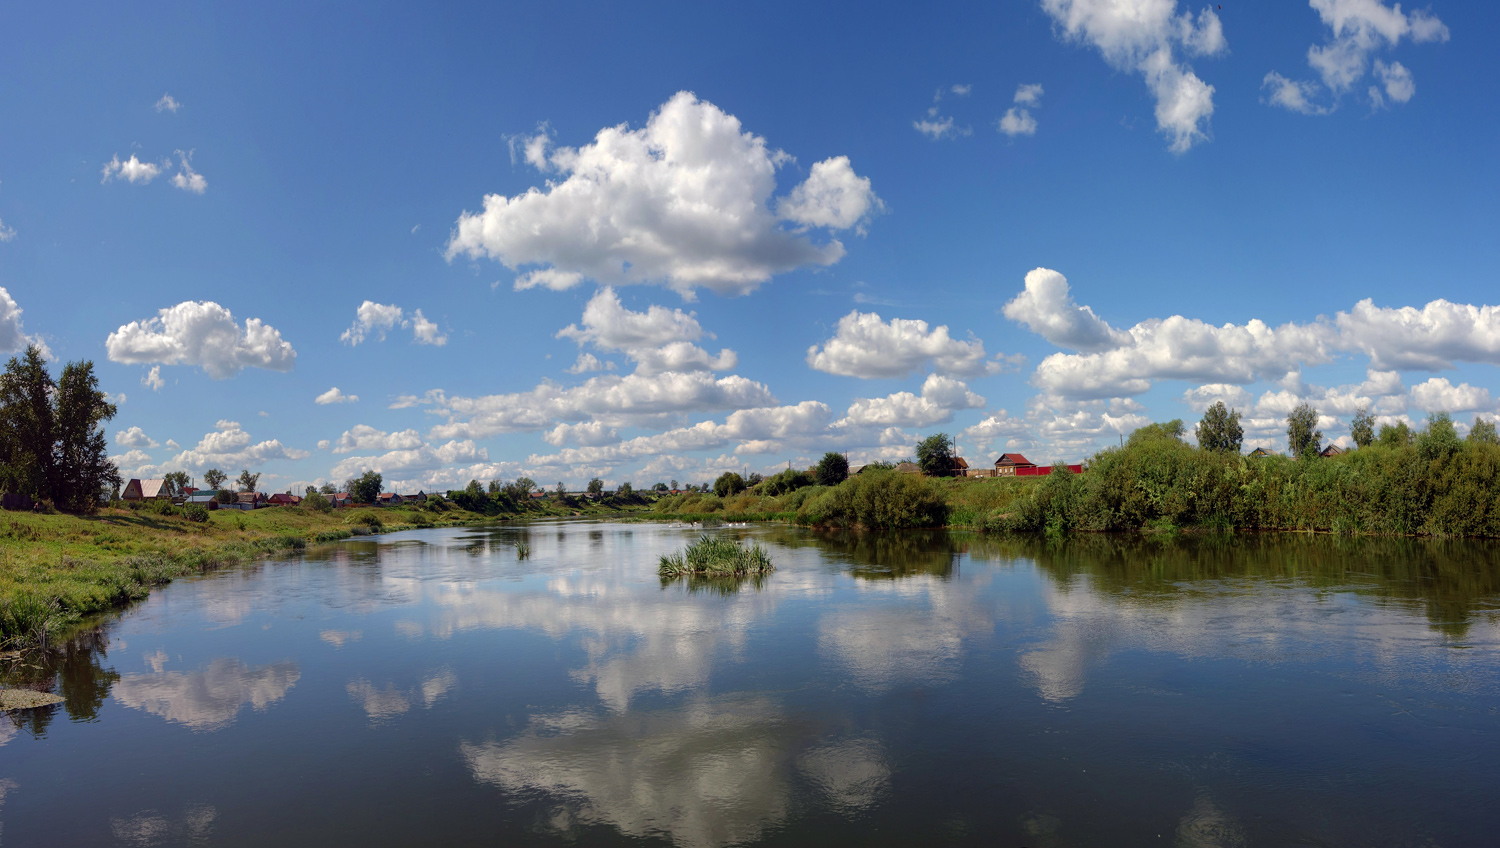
(9, 501)
(1044, 470)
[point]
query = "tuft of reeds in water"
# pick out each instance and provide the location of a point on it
(523, 549)
(715, 557)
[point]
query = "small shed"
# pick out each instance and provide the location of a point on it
(205, 499)
(959, 467)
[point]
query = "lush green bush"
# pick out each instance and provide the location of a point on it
(315, 502)
(784, 482)
(878, 500)
(365, 518)
(195, 512)
(160, 506)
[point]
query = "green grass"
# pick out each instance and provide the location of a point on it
(716, 556)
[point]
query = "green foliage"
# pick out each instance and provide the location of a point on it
(716, 556)
(366, 518)
(1362, 428)
(1220, 429)
(786, 481)
(366, 488)
(52, 444)
(248, 482)
(1172, 430)
(196, 512)
(1483, 432)
(832, 469)
(1303, 438)
(159, 506)
(935, 455)
(1439, 439)
(729, 483)
(224, 496)
(315, 502)
(176, 481)
(1396, 435)
(878, 500)
(625, 490)
(213, 478)
(596, 487)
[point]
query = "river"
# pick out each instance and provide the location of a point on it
(435, 688)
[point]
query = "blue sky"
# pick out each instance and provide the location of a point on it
(774, 230)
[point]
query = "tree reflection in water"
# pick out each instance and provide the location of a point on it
(74, 670)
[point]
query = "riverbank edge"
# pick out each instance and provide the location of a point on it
(105, 581)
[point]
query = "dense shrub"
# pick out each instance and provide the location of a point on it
(878, 500)
(159, 506)
(195, 512)
(315, 502)
(784, 482)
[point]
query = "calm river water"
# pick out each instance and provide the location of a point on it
(429, 688)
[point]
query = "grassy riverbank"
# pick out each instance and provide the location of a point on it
(57, 569)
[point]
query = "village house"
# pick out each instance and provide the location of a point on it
(1261, 452)
(145, 490)
(1331, 450)
(908, 468)
(338, 499)
(283, 499)
(389, 499)
(959, 467)
(1008, 464)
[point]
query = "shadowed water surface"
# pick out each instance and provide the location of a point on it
(432, 688)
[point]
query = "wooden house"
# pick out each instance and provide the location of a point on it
(1010, 463)
(1260, 452)
(389, 499)
(145, 490)
(908, 468)
(283, 499)
(959, 467)
(338, 499)
(1331, 450)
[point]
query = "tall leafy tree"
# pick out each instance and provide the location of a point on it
(29, 432)
(832, 469)
(177, 481)
(729, 483)
(1220, 429)
(214, 478)
(1303, 438)
(366, 488)
(52, 444)
(249, 481)
(1362, 428)
(1483, 432)
(596, 486)
(1396, 435)
(1160, 430)
(935, 455)
(81, 466)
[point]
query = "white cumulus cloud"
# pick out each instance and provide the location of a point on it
(683, 201)
(657, 340)
(134, 437)
(1047, 309)
(153, 379)
(1145, 36)
(941, 397)
(204, 334)
(132, 170)
(12, 337)
(865, 346)
(229, 446)
(1018, 119)
(168, 103)
(374, 320)
(363, 437)
(1440, 395)
(335, 395)
(186, 178)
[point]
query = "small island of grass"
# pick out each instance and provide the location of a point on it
(716, 557)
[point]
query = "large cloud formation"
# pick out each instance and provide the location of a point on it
(685, 201)
(1143, 36)
(204, 334)
(12, 337)
(658, 340)
(1120, 364)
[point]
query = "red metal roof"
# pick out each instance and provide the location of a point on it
(1013, 459)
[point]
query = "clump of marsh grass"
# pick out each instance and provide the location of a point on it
(715, 557)
(523, 549)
